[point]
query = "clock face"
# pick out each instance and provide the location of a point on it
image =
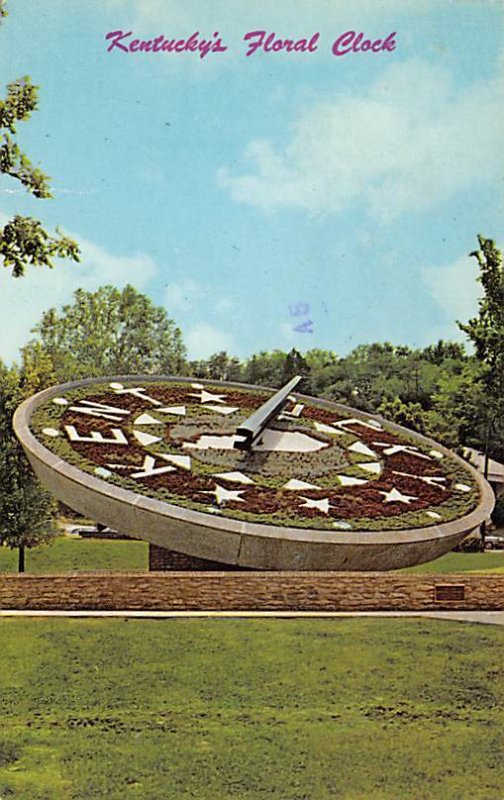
(317, 465)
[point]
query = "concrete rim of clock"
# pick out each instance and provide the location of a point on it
(232, 541)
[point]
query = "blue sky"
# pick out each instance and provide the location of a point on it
(238, 190)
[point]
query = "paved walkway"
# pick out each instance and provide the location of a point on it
(486, 617)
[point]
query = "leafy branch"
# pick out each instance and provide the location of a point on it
(23, 240)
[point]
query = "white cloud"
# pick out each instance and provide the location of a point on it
(189, 296)
(408, 143)
(203, 340)
(296, 18)
(100, 267)
(454, 287)
(224, 305)
(23, 300)
(182, 296)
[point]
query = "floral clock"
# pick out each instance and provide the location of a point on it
(248, 476)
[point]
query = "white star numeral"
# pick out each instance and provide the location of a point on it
(224, 495)
(395, 496)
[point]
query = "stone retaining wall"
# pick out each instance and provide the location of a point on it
(234, 591)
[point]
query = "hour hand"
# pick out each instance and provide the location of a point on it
(250, 431)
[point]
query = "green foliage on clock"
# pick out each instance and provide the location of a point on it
(206, 464)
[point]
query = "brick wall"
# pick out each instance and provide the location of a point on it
(162, 559)
(228, 591)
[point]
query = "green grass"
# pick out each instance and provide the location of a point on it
(69, 554)
(463, 562)
(219, 709)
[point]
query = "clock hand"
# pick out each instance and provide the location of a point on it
(250, 430)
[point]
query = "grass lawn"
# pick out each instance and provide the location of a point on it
(286, 709)
(490, 561)
(68, 554)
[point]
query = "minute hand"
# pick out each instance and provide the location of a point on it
(250, 430)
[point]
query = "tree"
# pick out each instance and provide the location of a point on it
(23, 240)
(295, 364)
(108, 332)
(266, 369)
(455, 416)
(219, 366)
(498, 512)
(37, 370)
(486, 331)
(27, 510)
(442, 351)
(411, 415)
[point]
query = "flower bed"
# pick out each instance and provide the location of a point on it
(361, 473)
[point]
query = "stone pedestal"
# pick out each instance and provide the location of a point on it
(161, 559)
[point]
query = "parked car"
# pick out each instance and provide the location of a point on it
(80, 530)
(494, 542)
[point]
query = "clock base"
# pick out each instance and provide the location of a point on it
(163, 560)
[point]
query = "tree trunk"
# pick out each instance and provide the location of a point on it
(485, 475)
(21, 559)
